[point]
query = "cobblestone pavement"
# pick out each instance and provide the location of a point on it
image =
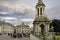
(5, 37)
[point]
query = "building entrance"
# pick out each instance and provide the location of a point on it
(42, 29)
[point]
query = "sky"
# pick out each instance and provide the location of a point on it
(23, 11)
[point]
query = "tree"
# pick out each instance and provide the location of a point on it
(56, 24)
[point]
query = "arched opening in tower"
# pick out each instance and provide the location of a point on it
(42, 29)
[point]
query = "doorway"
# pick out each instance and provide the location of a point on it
(42, 29)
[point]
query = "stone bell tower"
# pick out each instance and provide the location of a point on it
(41, 22)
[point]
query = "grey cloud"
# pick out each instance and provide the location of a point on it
(2, 8)
(53, 12)
(6, 9)
(11, 1)
(27, 13)
(8, 0)
(11, 12)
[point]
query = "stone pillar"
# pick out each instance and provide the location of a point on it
(46, 29)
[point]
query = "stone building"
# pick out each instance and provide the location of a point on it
(6, 28)
(41, 22)
(0, 26)
(22, 28)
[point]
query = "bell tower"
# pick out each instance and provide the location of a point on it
(41, 22)
(40, 8)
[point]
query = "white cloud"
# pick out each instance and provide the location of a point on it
(8, 18)
(27, 20)
(53, 12)
(17, 6)
(3, 12)
(31, 25)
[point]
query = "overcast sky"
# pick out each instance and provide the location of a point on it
(18, 11)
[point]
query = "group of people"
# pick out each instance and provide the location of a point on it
(19, 35)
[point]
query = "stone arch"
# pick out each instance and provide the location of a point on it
(42, 28)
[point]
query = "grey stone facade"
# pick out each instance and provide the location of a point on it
(22, 28)
(41, 22)
(6, 27)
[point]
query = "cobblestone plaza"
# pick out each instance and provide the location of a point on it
(6, 37)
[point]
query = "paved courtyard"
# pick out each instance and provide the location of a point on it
(5, 37)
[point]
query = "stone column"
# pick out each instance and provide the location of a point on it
(46, 29)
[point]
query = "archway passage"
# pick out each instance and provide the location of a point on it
(42, 29)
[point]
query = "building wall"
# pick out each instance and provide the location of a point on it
(23, 29)
(0, 29)
(37, 28)
(8, 29)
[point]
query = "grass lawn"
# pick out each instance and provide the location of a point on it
(57, 36)
(41, 36)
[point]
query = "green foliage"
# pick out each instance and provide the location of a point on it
(56, 24)
(57, 36)
(41, 36)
